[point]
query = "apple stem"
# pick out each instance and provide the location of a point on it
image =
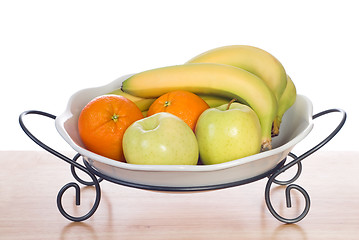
(229, 104)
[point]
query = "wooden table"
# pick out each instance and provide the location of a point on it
(30, 182)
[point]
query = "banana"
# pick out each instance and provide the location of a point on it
(144, 113)
(252, 59)
(285, 102)
(142, 103)
(209, 78)
(213, 100)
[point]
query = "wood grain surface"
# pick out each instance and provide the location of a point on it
(30, 181)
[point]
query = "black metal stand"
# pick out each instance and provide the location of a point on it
(272, 175)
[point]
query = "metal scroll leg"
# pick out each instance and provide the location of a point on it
(95, 182)
(297, 161)
(290, 186)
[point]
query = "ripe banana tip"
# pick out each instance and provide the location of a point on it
(266, 145)
(275, 127)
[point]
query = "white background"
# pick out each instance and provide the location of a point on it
(51, 49)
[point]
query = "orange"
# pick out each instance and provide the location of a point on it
(184, 104)
(102, 123)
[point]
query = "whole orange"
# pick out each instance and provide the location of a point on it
(102, 123)
(184, 104)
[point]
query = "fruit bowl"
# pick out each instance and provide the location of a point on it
(296, 125)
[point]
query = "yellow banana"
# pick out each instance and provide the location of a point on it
(209, 78)
(252, 59)
(213, 100)
(285, 102)
(142, 103)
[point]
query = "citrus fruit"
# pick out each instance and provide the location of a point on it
(184, 104)
(102, 123)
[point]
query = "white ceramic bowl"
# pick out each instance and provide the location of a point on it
(296, 124)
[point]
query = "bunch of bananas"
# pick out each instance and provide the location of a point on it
(248, 74)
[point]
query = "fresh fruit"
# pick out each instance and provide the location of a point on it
(160, 139)
(228, 132)
(142, 103)
(285, 102)
(102, 123)
(183, 104)
(252, 59)
(209, 78)
(213, 100)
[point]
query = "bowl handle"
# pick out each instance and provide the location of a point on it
(332, 134)
(73, 164)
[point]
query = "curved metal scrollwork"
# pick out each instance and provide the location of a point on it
(74, 164)
(297, 161)
(287, 192)
(272, 178)
(74, 174)
(295, 177)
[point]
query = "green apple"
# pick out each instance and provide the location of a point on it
(228, 132)
(160, 139)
